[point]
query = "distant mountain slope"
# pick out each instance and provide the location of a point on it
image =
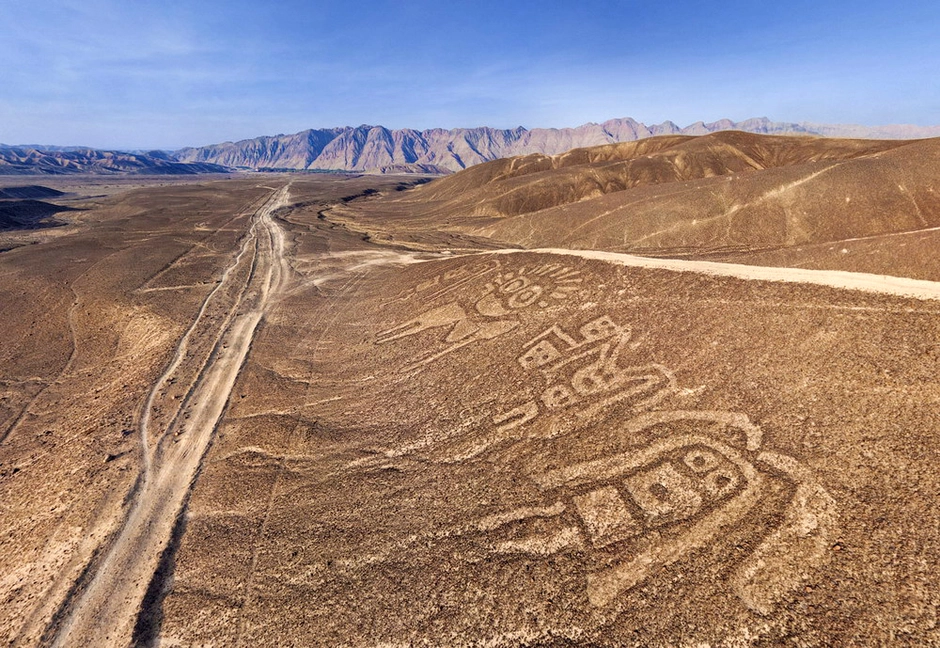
(376, 149)
(22, 160)
(678, 195)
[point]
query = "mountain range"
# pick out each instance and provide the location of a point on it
(62, 160)
(376, 149)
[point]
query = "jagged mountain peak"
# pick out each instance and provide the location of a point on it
(377, 149)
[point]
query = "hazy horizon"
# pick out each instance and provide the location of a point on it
(108, 75)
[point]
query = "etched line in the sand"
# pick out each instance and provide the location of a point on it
(606, 516)
(451, 280)
(492, 314)
(662, 501)
(679, 481)
(687, 479)
(577, 375)
(584, 372)
(801, 543)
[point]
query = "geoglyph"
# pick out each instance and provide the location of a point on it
(636, 512)
(683, 490)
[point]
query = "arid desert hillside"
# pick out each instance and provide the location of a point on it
(720, 196)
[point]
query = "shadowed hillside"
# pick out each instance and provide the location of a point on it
(28, 214)
(29, 192)
(21, 209)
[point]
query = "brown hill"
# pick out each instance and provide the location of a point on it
(28, 214)
(29, 192)
(21, 209)
(681, 195)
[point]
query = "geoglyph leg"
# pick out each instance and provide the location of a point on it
(787, 556)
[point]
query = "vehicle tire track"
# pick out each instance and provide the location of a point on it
(180, 354)
(104, 612)
(75, 303)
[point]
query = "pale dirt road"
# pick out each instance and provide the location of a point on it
(105, 611)
(881, 284)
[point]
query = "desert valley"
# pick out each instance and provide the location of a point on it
(675, 391)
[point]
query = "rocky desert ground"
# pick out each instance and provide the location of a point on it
(305, 410)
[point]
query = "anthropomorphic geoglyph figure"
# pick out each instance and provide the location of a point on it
(491, 315)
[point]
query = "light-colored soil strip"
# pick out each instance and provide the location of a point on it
(881, 284)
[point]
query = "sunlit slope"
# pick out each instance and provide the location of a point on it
(676, 195)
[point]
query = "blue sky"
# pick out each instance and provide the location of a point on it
(166, 74)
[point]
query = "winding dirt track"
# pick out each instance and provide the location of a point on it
(105, 611)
